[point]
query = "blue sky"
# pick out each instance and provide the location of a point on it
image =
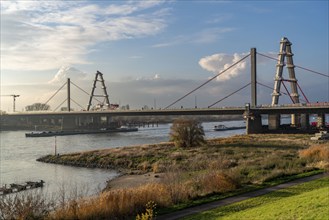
(159, 50)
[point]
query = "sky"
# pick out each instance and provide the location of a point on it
(154, 52)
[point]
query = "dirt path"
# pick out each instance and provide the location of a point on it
(238, 198)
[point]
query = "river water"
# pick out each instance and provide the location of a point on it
(18, 155)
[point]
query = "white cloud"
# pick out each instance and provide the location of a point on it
(44, 35)
(68, 72)
(157, 76)
(219, 62)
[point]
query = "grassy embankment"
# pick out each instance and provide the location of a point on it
(305, 201)
(222, 167)
(250, 151)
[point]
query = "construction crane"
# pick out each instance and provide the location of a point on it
(14, 100)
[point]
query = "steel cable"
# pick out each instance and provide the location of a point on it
(207, 81)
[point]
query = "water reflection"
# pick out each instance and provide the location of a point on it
(18, 155)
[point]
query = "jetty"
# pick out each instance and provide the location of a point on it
(14, 187)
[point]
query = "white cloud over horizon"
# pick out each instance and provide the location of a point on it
(138, 92)
(44, 35)
(68, 72)
(216, 63)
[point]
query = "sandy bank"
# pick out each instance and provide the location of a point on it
(129, 181)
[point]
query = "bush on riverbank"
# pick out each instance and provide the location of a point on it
(187, 133)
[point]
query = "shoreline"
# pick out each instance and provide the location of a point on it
(142, 164)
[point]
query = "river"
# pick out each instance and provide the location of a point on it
(18, 155)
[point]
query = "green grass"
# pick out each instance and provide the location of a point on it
(247, 188)
(305, 201)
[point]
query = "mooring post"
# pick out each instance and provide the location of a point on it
(55, 146)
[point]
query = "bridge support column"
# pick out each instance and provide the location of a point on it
(69, 123)
(273, 121)
(321, 121)
(305, 121)
(253, 121)
(254, 125)
(295, 120)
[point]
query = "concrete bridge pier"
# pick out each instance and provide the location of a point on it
(295, 120)
(321, 121)
(305, 121)
(254, 125)
(253, 121)
(68, 123)
(274, 121)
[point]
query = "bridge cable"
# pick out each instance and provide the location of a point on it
(229, 95)
(288, 92)
(85, 91)
(60, 105)
(55, 94)
(289, 80)
(77, 103)
(207, 81)
(271, 88)
(322, 74)
(302, 92)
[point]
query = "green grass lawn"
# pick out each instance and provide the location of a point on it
(305, 201)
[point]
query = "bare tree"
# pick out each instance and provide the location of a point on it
(187, 133)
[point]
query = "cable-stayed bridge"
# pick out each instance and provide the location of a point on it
(300, 109)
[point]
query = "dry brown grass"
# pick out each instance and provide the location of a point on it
(127, 203)
(115, 204)
(316, 152)
(317, 155)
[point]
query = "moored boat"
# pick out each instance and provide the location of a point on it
(14, 187)
(224, 128)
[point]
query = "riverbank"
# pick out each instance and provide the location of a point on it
(241, 153)
(176, 178)
(158, 157)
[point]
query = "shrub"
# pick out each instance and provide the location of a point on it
(187, 133)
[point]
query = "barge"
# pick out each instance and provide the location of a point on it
(63, 133)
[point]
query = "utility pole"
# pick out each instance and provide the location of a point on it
(68, 94)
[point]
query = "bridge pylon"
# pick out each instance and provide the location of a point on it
(105, 95)
(286, 53)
